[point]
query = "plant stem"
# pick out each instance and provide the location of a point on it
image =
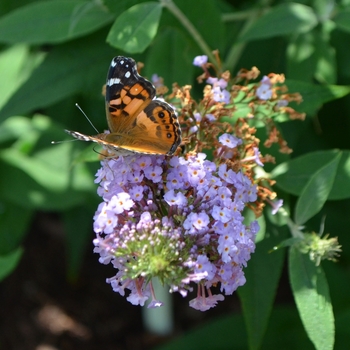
(251, 16)
(238, 16)
(171, 6)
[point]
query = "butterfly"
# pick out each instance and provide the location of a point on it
(138, 123)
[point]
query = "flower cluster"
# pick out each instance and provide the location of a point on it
(180, 218)
(319, 248)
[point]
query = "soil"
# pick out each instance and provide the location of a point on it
(41, 309)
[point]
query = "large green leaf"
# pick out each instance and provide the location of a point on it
(70, 68)
(314, 96)
(220, 334)
(342, 19)
(301, 57)
(15, 67)
(292, 176)
(326, 68)
(311, 56)
(316, 191)
(52, 21)
(35, 173)
(289, 18)
(168, 57)
(257, 295)
(19, 188)
(311, 294)
(135, 28)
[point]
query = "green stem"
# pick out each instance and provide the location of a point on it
(238, 16)
(293, 228)
(171, 6)
(251, 16)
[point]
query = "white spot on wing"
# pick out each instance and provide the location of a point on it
(113, 63)
(113, 81)
(127, 74)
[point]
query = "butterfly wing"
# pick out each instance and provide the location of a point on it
(155, 130)
(136, 121)
(127, 94)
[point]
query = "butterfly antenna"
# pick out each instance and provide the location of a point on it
(64, 141)
(76, 105)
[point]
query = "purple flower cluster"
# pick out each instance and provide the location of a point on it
(178, 219)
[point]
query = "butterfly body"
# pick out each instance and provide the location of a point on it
(138, 123)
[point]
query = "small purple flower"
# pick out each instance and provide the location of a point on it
(193, 129)
(276, 206)
(136, 193)
(228, 175)
(210, 117)
(157, 81)
(121, 202)
(257, 156)
(221, 214)
(173, 198)
(203, 265)
(203, 303)
(200, 60)
(230, 141)
(142, 163)
(135, 177)
(201, 221)
(197, 117)
(154, 173)
(220, 95)
(264, 91)
(217, 82)
(136, 298)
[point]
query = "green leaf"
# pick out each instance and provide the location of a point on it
(134, 29)
(12, 63)
(301, 57)
(314, 96)
(202, 338)
(257, 295)
(120, 6)
(168, 57)
(283, 19)
(316, 191)
(312, 298)
(14, 220)
(326, 67)
(17, 187)
(292, 176)
(9, 262)
(52, 21)
(41, 164)
(342, 19)
(214, 35)
(35, 173)
(61, 75)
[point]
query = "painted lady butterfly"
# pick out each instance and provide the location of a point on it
(137, 122)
